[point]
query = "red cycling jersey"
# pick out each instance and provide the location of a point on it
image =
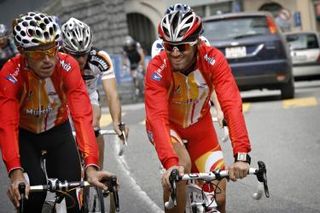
(38, 105)
(175, 99)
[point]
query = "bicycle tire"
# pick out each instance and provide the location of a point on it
(93, 201)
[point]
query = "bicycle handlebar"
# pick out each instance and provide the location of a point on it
(54, 185)
(122, 136)
(260, 172)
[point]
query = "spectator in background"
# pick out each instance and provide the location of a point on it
(283, 20)
(7, 47)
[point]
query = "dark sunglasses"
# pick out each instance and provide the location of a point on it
(79, 55)
(180, 46)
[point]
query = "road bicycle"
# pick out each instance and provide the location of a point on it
(197, 201)
(91, 199)
(61, 188)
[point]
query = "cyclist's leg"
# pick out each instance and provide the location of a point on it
(206, 155)
(30, 160)
(184, 160)
(63, 161)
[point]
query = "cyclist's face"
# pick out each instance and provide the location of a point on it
(42, 60)
(81, 58)
(181, 56)
(3, 41)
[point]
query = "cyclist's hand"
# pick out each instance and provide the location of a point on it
(96, 177)
(165, 176)
(117, 128)
(238, 170)
(17, 177)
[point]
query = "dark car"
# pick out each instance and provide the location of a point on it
(255, 49)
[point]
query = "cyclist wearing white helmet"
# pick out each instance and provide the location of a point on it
(180, 80)
(39, 87)
(94, 64)
(7, 47)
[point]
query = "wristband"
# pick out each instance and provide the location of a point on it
(242, 156)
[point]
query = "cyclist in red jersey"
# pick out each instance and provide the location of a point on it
(178, 87)
(39, 87)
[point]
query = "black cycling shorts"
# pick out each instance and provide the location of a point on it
(62, 161)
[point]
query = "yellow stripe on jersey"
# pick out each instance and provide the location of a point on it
(300, 102)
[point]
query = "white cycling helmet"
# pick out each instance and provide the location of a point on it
(77, 36)
(178, 7)
(35, 29)
(180, 26)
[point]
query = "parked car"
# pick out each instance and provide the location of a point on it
(255, 49)
(305, 53)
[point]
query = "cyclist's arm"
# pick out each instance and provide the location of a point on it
(110, 88)
(141, 53)
(81, 112)
(9, 114)
(230, 100)
(156, 103)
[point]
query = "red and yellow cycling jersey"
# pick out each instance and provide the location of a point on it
(173, 98)
(38, 105)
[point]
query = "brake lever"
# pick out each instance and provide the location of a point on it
(22, 188)
(122, 127)
(112, 184)
(262, 177)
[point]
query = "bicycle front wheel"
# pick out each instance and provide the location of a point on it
(93, 201)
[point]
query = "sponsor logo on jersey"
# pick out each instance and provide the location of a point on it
(210, 60)
(12, 79)
(156, 76)
(101, 63)
(38, 112)
(66, 66)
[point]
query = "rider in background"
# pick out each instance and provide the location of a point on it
(134, 57)
(178, 87)
(94, 64)
(7, 47)
(157, 47)
(39, 87)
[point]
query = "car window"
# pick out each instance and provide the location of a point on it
(302, 41)
(235, 28)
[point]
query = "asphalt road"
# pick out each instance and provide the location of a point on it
(284, 134)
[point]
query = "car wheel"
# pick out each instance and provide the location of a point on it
(287, 90)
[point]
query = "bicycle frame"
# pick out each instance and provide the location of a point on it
(196, 194)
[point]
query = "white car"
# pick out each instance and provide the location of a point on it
(305, 53)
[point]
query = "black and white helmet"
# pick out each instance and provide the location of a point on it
(35, 29)
(77, 36)
(178, 7)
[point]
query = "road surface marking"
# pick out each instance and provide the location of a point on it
(246, 107)
(106, 119)
(299, 102)
(154, 208)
